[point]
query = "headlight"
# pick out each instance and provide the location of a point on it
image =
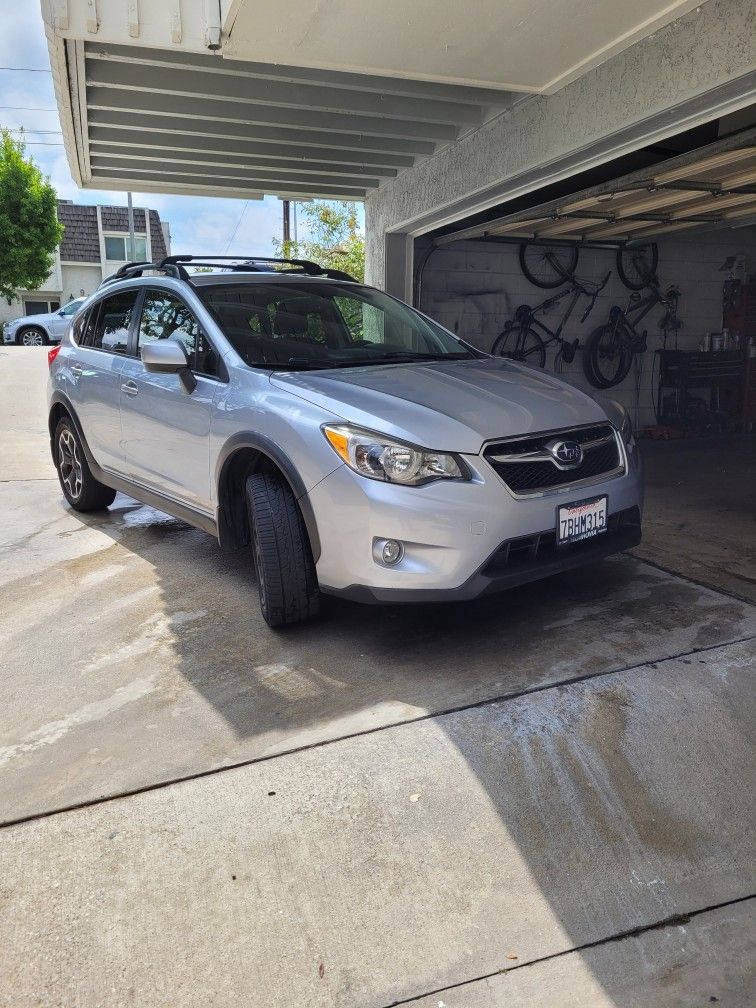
(382, 458)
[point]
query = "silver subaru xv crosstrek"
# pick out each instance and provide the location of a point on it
(357, 446)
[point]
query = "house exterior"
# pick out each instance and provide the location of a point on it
(466, 129)
(94, 245)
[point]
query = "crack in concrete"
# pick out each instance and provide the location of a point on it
(675, 920)
(430, 715)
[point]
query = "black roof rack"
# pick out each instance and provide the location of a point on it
(173, 266)
(137, 269)
(257, 264)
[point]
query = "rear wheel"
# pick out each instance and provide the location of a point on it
(82, 491)
(607, 356)
(285, 568)
(548, 265)
(526, 346)
(33, 337)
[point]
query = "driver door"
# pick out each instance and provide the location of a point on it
(165, 430)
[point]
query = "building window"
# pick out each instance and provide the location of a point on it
(115, 248)
(40, 307)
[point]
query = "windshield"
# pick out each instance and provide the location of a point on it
(310, 326)
(73, 306)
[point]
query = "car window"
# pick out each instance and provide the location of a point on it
(165, 316)
(72, 307)
(107, 324)
(309, 325)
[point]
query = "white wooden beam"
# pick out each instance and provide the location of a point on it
(93, 19)
(132, 16)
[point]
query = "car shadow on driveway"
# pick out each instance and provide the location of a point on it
(551, 819)
(416, 658)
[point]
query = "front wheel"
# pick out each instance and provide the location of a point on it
(525, 346)
(82, 491)
(33, 337)
(636, 265)
(607, 356)
(286, 577)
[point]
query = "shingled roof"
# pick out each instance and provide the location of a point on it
(81, 242)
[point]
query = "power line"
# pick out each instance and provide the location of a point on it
(27, 108)
(241, 218)
(26, 129)
(29, 69)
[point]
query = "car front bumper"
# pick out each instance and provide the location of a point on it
(461, 540)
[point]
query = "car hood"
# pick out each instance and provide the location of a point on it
(453, 406)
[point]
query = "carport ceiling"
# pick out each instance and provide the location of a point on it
(315, 98)
(159, 120)
(715, 188)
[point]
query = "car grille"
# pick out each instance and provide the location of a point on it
(526, 467)
(541, 548)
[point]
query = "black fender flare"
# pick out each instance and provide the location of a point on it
(267, 447)
(59, 398)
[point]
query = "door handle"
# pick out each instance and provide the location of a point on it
(130, 388)
(76, 370)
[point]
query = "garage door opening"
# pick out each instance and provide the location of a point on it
(641, 288)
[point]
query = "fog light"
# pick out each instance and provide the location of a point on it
(392, 552)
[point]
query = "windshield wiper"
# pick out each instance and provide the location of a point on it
(410, 356)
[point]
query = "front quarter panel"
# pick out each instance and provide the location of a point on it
(252, 406)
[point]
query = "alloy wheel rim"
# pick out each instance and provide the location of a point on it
(33, 338)
(69, 463)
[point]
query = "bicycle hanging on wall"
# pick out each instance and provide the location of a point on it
(525, 337)
(611, 348)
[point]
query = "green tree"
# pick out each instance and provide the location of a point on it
(333, 238)
(29, 227)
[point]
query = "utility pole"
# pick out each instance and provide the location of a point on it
(286, 223)
(130, 254)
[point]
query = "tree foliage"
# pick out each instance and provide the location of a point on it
(29, 227)
(333, 238)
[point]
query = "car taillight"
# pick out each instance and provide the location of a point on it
(52, 353)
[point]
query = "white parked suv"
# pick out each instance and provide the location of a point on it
(37, 330)
(360, 448)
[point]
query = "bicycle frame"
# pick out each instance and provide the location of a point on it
(553, 335)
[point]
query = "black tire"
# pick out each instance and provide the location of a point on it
(607, 356)
(539, 270)
(636, 265)
(286, 576)
(530, 350)
(82, 491)
(35, 333)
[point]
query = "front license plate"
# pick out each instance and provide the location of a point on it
(584, 520)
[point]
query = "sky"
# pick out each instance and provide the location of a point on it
(198, 224)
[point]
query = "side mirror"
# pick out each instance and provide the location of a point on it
(62, 312)
(169, 357)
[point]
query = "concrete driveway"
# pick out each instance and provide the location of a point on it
(539, 799)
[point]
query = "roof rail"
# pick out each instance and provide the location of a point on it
(257, 264)
(137, 269)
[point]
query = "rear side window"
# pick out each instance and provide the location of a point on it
(108, 322)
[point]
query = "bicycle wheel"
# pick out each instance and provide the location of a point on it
(607, 356)
(548, 265)
(636, 265)
(527, 346)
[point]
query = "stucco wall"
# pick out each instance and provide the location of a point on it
(709, 47)
(78, 276)
(473, 289)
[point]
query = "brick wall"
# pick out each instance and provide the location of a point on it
(473, 289)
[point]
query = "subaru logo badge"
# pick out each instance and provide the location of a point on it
(567, 454)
